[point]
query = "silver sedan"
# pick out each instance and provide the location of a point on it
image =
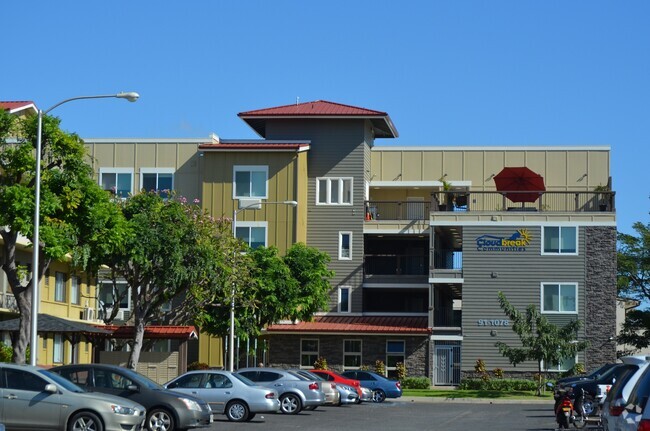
(34, 398)
(227, 393)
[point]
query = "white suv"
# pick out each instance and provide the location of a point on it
(621, 391)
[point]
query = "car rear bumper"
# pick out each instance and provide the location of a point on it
(314, 398)
(272, 405)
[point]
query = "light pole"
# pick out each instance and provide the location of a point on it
(251, 204)
(131, 97)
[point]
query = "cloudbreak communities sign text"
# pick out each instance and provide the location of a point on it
(518, 241)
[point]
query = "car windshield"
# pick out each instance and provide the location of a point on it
(64, 383)
(143, 380)
(244, 380)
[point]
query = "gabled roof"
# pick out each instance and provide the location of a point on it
(356, 325)
(255, 145)
(382, 124)
(16, 106)
(47, 323)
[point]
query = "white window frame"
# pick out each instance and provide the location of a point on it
(346, 353)
(128, 295)
(256, 224)
(559, 240)
(75, 290)
(144, 171)
(309, 352)
(341, 255)
(388, 354)
(328, 194)
(559, 284)
(57, 349)
(558, 367)
(103, 171)
(250, 168)
(340, 303)
(59, 292)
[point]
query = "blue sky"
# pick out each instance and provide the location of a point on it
(448, 73)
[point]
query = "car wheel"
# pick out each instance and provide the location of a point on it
(310, 408)
(160, 420)
(378, 396)
(290, 404)
(237, 411)
(85, 421)
(250, 416)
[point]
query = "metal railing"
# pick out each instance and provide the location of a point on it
(394, 264)
(447, 318)
(447, 259)
(492, 201)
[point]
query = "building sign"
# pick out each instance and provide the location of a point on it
(493, 322)
(518, 241)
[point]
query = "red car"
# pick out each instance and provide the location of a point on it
(333, 376)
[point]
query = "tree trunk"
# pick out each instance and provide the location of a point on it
(24, 302)
(138, 326)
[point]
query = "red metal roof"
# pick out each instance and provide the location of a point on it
(13, 106)
(154, 331)
(357, 324)
(318, 107)
(258, 145)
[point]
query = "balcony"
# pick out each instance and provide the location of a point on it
(396, 268)
(447, 263)
(447, 318)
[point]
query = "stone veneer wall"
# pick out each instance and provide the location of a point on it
(284, 351)
(600, 323)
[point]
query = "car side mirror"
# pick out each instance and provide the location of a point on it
(51, 388)
(132, 388)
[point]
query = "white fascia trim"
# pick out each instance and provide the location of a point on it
(402, 184)
(23, 108)
(446, 338)
(397, 314)
(401, 231)
(347, 334)
(157, 170)
(265, 141)
(517, 223)
(395, 286)
(447, 280)
(495, 148)
(253, 150)
(147, 140)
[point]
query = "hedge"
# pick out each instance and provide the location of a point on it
(498, 384)
(415, 383)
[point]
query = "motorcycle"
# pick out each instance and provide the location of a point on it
(576, 408)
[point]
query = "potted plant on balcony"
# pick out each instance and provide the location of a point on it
(603, 196)
(447, 201)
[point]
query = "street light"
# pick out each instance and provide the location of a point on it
(247, 204)
(131, 97)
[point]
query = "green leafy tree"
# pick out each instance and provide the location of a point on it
(541, 341)
(76, 215)
(633, 282)
(275, 288)
(171, 250)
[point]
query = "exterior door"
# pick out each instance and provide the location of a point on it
(444, 365)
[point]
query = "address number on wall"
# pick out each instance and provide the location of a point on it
(494, 322)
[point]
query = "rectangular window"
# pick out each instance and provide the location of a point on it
(395, 353)
(252, 233)
(351, 354)
(75, 290)
(345, 245)
(118, 181)
(157, 179)
(57, 353)
(308, 352)
(59, 287)
(559, 297)
(107, 297)
(560, 239)
(250, 182)
(564, 365)
(334, 191)
(344, 299)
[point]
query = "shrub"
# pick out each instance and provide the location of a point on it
(380, 368)
(321, 363)
(479, 367)
(498, 384)
(401, 371)
(198, 366)
(415, 383)
(498, 373)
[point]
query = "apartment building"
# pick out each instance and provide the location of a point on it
(421, 238)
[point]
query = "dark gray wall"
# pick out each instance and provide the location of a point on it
(519, 276)
(337, 149)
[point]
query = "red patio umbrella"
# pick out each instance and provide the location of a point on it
(520, 179)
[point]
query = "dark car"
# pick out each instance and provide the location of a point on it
(594, 374)
(380, 386)
(166, 410)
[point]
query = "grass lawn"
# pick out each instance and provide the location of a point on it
(457, 393)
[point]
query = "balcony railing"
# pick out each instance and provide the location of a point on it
(393, 264)
(447, 259)
(548, 201)
(447, 318)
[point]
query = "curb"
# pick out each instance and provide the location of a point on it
(473, 400)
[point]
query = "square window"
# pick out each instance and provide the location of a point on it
(118, 181)
(250, 182)
(351, 354)
(560, 239)
(252, 233)
(395, 353)
(559, 298)
(57, 355)
(334, 191)
(59, 287)
(159, 180)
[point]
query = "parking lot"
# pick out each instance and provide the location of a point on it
(407, 415)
